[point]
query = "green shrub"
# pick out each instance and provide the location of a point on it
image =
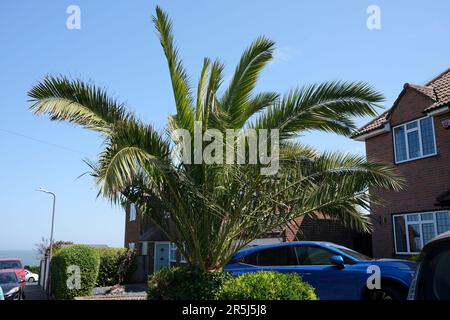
(116, 264)
(185, 283)
(34, 269)
(267, 285)
(84, 257)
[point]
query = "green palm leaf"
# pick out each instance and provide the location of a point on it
(330, 107)
(236, 98)
(184, 117)
(77, 102)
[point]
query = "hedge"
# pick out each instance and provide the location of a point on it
(86, 259)
(116, 265)
(185, 283)
(266, 285)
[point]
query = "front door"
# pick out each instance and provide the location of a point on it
(162, 252)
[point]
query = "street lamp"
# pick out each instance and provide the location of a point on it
(51, 233)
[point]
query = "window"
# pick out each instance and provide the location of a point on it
(414, 140)
(315, 256)
(10, 264)
(131, 246)
(412, 231)
(251, 259)
(353, 254)
(144, 248)
(173, 252)
(132, 212)
(280, 256)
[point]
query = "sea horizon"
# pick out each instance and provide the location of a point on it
(28, 257)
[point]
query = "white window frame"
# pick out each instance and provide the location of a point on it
(406, 131)
(419, 222)
(132, 246)
(133, 212)
(173, 248)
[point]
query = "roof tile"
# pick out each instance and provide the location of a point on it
(437, 89)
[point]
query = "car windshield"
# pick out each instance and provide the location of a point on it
(8, 277)
(12, 264)
(354, 254)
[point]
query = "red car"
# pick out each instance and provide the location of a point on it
(15, 265)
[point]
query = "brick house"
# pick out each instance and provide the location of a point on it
(155, 250)
(414, 136)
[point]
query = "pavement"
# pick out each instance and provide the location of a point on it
(34, 292)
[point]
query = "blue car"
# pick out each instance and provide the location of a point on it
(336, 272)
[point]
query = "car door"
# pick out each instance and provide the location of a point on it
(330, 281)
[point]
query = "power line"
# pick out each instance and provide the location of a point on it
(44, 142)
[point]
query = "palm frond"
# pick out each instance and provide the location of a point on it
(184, 118)
(330, 106)
(75, 101)
(133, 147)
(252, 62)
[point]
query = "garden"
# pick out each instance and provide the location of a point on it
(112, 267)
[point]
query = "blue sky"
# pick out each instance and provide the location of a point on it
(117, 48)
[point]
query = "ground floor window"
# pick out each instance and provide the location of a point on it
(144, 248)
(173, 253)
(183, 258)
(413, 230)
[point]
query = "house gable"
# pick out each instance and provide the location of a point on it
(433, 98)
(410, 106)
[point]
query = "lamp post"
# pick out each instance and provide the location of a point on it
(51, 233)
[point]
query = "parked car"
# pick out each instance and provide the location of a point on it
(432, 278)
(16, 265)
(336, 272)
(11, 285)
(30, 276)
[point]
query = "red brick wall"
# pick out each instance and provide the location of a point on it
(322, 229)
(426, 178)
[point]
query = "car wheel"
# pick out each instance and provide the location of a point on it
(386, 293)
(31, 279)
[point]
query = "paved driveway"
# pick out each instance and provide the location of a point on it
(34, 292)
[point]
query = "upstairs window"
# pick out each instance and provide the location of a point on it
(414, 140)
(132, 212)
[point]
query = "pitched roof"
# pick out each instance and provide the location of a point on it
(438, 90)
(374, 124)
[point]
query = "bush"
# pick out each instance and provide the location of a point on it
(34, 269)
(116, 264)
(185, 283)
(267, 285)
(86, 258)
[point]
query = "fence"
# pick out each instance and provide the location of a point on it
(44, 275)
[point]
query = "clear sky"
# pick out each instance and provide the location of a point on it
(117, 48)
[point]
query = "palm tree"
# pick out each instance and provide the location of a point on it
(212, 210)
